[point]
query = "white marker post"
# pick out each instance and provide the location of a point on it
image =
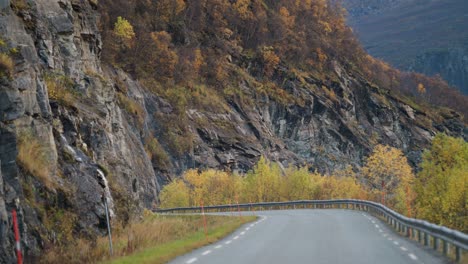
(111, 249)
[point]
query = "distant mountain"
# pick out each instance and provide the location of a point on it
(426, 36)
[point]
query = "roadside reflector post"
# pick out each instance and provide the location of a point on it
(111, 248)
(204, 219)
(19, 255)
(238, 208)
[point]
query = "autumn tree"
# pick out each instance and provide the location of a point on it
(262, 184)
(270, 60)
(159, 58)
(123, 31)
(175, 194)
(441, 185)
(385, 169)
(297, 184)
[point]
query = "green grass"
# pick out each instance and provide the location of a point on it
(164, 252)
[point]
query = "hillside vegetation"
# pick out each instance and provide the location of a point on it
(176, 44)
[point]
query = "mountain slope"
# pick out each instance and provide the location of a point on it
(424, 36)
(87, 112)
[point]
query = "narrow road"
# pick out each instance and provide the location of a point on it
(313, 236)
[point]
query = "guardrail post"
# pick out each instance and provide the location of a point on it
(436, 243)
(419, 236)
(458, 254)
(445, 247)
(426, 239)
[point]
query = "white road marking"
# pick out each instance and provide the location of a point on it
(380, 230)
(403, 248)
(412, 256)
(252, 225)
(377, 226)
(390, 238)
(373, 221)
(396, 243)
(247, 229)
(219, 246)
(384, 234)
(192, 260)
(206, 252)
(236, 237)
(242, 233)
(228, 242)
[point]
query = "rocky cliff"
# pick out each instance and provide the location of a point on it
(74, 130)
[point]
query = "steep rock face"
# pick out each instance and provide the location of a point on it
(95, 142)
(89, 145)
(327, 133)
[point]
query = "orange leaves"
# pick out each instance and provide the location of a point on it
(421, 88)
(286, 17)
(270, 61)
(160, 57)
(242, 7)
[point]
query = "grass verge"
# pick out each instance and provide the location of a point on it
(218, 227)
(154, 239)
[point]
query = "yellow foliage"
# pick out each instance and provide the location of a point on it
(175, 194)
(265, 183)
(385, 169)
(124, 30)
(441, 185)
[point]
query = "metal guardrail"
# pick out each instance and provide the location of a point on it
(408, 226)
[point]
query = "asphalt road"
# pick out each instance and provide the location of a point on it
(313, 236)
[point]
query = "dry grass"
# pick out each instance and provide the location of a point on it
(60, 89)
(132, 107)
(158, 238)
(156, 152)
(6, 65)
(34, 157)
(19, 5)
